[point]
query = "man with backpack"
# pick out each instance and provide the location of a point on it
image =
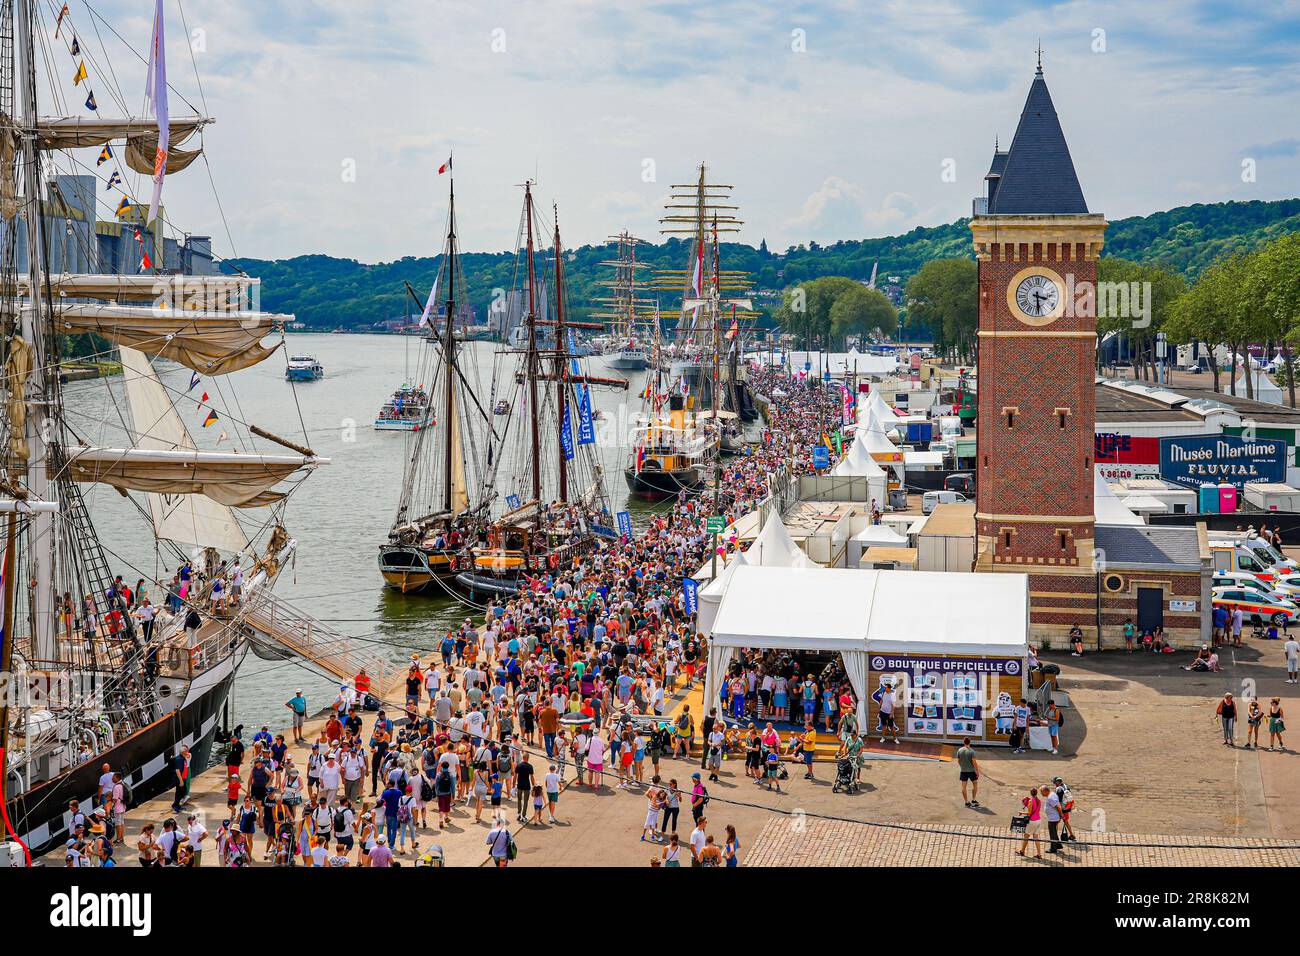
(501, 845)
(444, 789)
(1065, 799)
(343, 823)
(699, 797)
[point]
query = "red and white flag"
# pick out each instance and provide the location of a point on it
(445, 167)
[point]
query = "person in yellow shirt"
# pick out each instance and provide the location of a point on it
(809, 741)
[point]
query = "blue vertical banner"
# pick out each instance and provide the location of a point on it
(566, 434)
(586, 430)
(690, 594)
(625, 524)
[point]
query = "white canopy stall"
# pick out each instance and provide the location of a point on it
(970, 631)
(710, 595)
(792, 609)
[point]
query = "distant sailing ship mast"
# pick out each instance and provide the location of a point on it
(625, 309)
(666, 456)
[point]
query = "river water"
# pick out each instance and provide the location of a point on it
(345, 508)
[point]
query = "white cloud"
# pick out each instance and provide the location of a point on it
(585, 92)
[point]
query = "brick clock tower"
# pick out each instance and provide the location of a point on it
(1037, 247)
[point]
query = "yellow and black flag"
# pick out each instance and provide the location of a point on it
(105, 155)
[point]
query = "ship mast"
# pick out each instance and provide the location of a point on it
(532, 346)
(561, 370)
(449, 361)
(41, 537)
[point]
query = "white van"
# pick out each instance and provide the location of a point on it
(932, 499)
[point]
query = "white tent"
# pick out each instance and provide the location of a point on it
(880, 535)
(774, 548)
(858, 463)
(1146, 504)
(1106, 506)
(1266, 390)
(710, 596)
(816, 611)
(949, 612)
(866, 615)
(872, 403)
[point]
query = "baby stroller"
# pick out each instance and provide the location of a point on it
(846, 776)
(431, 857)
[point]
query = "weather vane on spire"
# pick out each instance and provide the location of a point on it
(1040, 56)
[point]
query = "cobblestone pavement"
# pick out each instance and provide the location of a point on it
(794, 842)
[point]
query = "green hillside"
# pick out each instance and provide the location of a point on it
(328, 293)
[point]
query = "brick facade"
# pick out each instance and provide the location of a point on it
(1036, 395)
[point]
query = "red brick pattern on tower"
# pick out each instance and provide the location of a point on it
(1036, 398)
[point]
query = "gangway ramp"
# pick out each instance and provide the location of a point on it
(332, 652)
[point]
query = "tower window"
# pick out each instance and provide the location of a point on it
(1006, 539)
(1062, 537)
(1061, 415)
(986, 461)
(1010, 411)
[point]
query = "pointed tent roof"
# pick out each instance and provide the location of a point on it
(875, 403)
(1106, 506)
(875, 439)
(1265, 390)
(858, 463)
(719, 584)
(774, 548)
(1037, 175)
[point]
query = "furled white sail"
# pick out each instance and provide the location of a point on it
(459, 492)
(185, 519)
(214, 343)
(141, 136)
(198, 293)
(243, 481)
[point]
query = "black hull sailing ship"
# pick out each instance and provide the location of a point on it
(559, 508)
(111, 688)
(436, 519)
(686, 424)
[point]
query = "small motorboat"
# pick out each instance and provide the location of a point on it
(303, 368)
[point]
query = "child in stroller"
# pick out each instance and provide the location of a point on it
(848, 766)
(846, 775)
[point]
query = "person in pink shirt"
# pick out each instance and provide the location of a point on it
(382, 854)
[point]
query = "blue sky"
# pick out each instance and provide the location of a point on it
(840, 131)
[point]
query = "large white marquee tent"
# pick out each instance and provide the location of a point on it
(862, 613)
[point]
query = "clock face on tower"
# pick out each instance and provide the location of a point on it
(1036, 296)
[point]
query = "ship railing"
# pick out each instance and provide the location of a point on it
(337, 654)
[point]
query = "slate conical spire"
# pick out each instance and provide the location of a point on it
(1038, 176)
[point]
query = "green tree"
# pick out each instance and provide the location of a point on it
(1273, 281)
(943, 296)
(861, 311)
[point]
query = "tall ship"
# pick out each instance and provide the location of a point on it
(669, 453)
(688, 420)
(448, 479)
(624, 309)
(556, 505)
(119, 682)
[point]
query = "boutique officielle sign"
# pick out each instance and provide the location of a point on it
(1200, 459)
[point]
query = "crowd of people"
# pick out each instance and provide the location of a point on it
(561, 684)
